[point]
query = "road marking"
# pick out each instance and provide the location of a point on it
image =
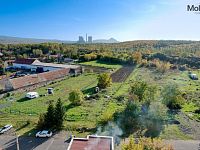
(50, 144)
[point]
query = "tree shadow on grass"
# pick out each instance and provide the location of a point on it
(68, 107)
(89, 91)
(23, 99)
(23, 126)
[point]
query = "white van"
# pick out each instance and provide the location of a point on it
(32, 95)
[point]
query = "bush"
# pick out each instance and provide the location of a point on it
(76, 97)
(138, 89)
(172, 97)
(104, 80)
(146, 144)
(157, 111)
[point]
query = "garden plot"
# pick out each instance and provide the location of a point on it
(122, 74)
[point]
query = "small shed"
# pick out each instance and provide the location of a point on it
(32, 95)
(50, 90)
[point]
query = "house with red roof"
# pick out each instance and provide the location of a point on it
(92, 142)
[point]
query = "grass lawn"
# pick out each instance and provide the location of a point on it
(102, 64)
(23, 114)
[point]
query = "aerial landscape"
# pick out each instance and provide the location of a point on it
(99, 80)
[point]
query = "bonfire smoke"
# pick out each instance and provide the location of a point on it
(111, 129)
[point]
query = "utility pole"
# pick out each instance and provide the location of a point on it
(17, 141)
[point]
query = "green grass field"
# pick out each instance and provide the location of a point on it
(23, 114)
(102, 64)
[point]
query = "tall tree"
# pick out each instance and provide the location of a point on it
(59, 114)
(50, 116)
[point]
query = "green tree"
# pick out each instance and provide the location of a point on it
(104, 80)
(138, 89)
(129, 122)
(172, 97)
(50, 116)
(59, 114)
(157, 111)
(76, 97)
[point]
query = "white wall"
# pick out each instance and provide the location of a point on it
(33, 67)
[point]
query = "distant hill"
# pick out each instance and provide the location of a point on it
(18, 40)
(111, 40)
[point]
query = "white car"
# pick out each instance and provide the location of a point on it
(44, 133)
(32, 95)
(5, 128)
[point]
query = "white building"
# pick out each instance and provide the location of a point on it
(36, 65)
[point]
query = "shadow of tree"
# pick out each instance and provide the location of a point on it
(69, 106)
(89, 91)
(23, 99)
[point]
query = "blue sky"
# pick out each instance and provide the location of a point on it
(121, 19)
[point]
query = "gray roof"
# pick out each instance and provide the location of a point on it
(38, 63)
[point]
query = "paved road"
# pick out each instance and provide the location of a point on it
(185, 145)
(57, 142)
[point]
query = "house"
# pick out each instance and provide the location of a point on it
(92, 142)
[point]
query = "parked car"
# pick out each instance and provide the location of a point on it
(44, 133)
(5, 128)
(32, 95)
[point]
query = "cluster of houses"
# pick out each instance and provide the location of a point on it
(44, 74)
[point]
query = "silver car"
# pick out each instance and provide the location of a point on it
(5, 128)
(44, 133)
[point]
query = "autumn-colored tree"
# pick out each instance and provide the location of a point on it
(104, 80)
(137, 57)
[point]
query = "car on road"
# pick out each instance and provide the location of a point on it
(44, 133)
(5, 128)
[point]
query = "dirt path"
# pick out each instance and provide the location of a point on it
(189, 126)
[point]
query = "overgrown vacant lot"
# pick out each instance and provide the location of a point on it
(86, 118)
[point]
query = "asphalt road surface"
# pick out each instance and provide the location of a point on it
(185, 145)
(56, 142)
